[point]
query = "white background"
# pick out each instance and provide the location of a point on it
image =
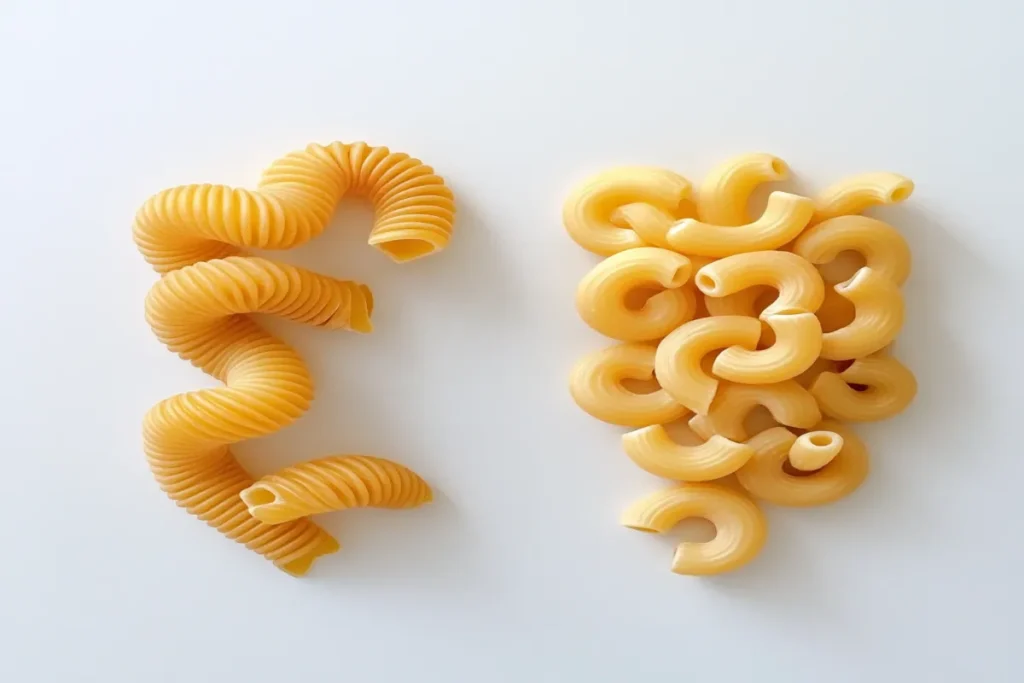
(520, 571)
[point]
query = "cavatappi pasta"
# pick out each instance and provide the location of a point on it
(776, 320)
(200, 309)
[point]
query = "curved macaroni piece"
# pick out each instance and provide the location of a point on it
(588, 212)
(649, 222)
(742, 302)
(677, 363)
(725, 193)
(889, 389)
(819, 366)
(765, 477)
(601, 296)
(788, 402)
(295, 199)
(813, 450)
(879, 317)
(200, 310)
(855, 194)
(785, 216)
(799, 284)
(797, 345)
(596, 385)
(654, 451)
(836, 311)
(883, 248)
(740, 524)
(335, 483)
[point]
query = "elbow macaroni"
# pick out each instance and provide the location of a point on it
(797, 344)
(725, 193)
(788, 402)
(853, 195)
(799, 284)
(884, 250)
(654, 451)
(889, 388)
(785, 216)
(813, 450)
(879, 316)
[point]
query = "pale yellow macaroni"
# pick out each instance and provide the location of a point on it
(813, 450)
(588, 211)
(883, 248)
(740, 525)
(799, 284)
(886, 386)
(725, 193)
(649, 222)
(797, 343)
(855, 194)
(677, 364)
(765, 475)
(596, 384)
(785, 216)
(879, 316)
(788, 402)
(654, 451)
(601, 298)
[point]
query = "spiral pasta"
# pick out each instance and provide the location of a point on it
(200, 309)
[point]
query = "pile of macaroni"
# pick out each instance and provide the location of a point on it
(793, 311)
(193, 235)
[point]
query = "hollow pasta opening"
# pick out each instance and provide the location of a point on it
(779, 167)
(901, 192)
(406, 250)
(257, 496)
(706, 283)
(821, 440)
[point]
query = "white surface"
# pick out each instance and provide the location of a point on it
(520, 571)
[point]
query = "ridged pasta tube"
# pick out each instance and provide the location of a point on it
(879, 317)
(798, 282)
(740, 525)
(855, 194)
(797, 343)
(883, 248)
(601, 297)
(813, 450)
(654, 451)
(725, 193)
(889, 387)
(200, 310)
(788, 402)
(588, 211)
(785, 216)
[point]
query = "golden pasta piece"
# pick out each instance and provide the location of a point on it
(885, 387)
(725, 193)
(879, 317)
(596, 385)
(798, 282)
(788, 402)
(855, 194)
(649, 222)
(796, 347)
(654, 451)
(836, 311)
(602, 296)
(742, 302)
(766, 478)
(334, 483)
(819, 366)
(785, 216)
(677, 364)
(588, 212)
(883, 248)
(813, 450)
(740, 525)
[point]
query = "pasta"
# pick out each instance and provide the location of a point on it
(788, 402)
(200, 310)
(588, 211)
(813, 450)
(836, 311)
(797, 344)
(740, 525)
(649, 222)
(799, 285)
(596, 386)
(855, 194)
(765, 476)
(879, 317)
(601, 298)
(654, 451)
(887, 388)
(725, 193)
(884, 250)
(785, 216)
(677, 363)
(336, 483)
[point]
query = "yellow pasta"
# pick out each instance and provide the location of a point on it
(884, 250)
(788, 402)
(596, 385)
(601, 298)
(785, 216)
(766, 478)
(855, 194)
(336, 483)
(885, 388)
(813, 450)
(798, 282)
(649, 222)
(677, 364)
(740, 525)
(654, 451)
(725, 193)
(879, 317)
(836, 311)
(200, 310)
(742, 302)
(797, 343)
(588, 212)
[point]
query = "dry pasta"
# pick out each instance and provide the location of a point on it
(798, 282)
(884, 250)
(797, 344)
(855, 194)
(601, 298)
(654, 451)
(785, 216)
(813, 450)
(885, 388)
(740, 525)
(788, 402)
(879, 317)
(725, 193)
(200, 310)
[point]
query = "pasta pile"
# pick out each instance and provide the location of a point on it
(792, 311)
(193, 236)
